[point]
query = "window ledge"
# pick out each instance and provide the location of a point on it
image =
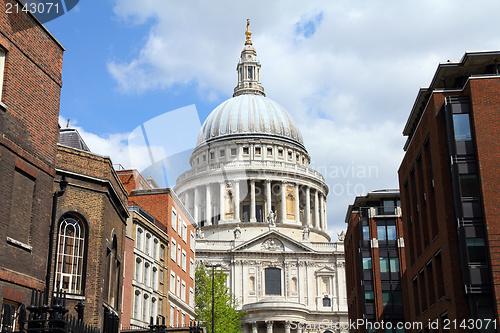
(75, 297)
(18, 243)
(3, 106)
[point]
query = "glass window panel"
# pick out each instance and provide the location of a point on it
(381, 235)
(461, 127)
(394, 263)
(369, 295)
(366, 233)
(397, 298)
(469, 186)
(367, 263)
(391, 232)
(384, 265)
(386, 298)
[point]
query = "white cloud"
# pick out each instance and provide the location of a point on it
(350, 84)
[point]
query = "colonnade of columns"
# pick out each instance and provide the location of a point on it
(270, 325)
(252, 201)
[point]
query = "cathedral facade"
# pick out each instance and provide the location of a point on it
(261, 212)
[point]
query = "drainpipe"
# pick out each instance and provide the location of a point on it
(62, 185)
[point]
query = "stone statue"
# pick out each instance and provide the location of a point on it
(271, 218)
(341, 236)
(237, 232)
(200, 234)
(305, 233)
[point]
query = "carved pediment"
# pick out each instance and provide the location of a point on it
(272, 241)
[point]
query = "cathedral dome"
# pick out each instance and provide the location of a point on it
(249, 115)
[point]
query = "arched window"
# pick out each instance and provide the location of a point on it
(70, 262)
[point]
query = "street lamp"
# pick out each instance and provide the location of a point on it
(213, 294)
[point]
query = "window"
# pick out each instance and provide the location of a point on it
(145, 308)
(381, 235)
(250, 72)
(280, 153)
(290, 155)
(178, 289)
(148, 244)
(273, 281)
(191, 297)
(184, 260)
(269, 151)
(233, 151)
(162, 252)
(257, 150)
(20, 218)
(222, 153)
(160, 306)
(161, 276)
(246, 151)
(147, 273)
(192, 241)
(369, 296)
(184, 231)
(155, 248)
(8, 316)
(179, 254)
(191, 268)
(138, 241)
(155, 278)
(469, 185)
(211, 155)
(386, 298)
(476, 249)
(137, 305)
(179, 228)
(367, 263)
(394, 265)
(461, 127)
(172, 315)
(384, 265)
(2, 68)
(173, 249)
(70, 255)
(366, 233)
(174, 219)
(183, 291)
(172, 282)
(327, 302)
(154, 309)
(391, 232)
(138, 269)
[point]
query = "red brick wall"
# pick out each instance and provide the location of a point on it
(486, 120)
(28, 142)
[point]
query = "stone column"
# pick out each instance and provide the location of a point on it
(208, 205)
(299, 329)
(268, 198)
(222, 191)
(269, 326)
(255, 327)
(245, 328)
(188, 203)
(316, 209)
(252, 201)
(237, 200)
(322, 212)
(308, 206)
(287, 327)
(195, 205)
(297, 204)
(283, 202)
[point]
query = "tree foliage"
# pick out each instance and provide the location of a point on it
(227, 318)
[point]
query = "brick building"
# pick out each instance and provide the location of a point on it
(146, 260)
(30, 84)
(89, 234)
(165, 206)
(449, 184)
(375, 260)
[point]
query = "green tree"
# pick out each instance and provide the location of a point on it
(227, 318)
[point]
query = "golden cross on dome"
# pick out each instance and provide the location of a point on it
(248, 33)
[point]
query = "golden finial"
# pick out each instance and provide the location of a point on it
(248, 33)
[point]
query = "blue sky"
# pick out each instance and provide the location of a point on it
(348, 72)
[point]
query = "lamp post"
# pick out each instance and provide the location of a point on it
(213, 294)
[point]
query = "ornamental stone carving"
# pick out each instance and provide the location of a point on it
(272, 244)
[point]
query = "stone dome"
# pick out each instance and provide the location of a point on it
(249, 115)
